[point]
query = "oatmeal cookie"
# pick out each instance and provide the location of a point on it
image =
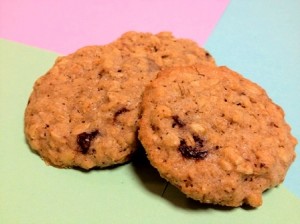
(215, 135)
(84, 111)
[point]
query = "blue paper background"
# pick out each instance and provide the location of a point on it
(261, 40)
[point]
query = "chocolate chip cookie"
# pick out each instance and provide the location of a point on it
(215, 135)
(84, 111)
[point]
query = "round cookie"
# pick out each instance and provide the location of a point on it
(215, 135)
(84, 111)
(163, 49)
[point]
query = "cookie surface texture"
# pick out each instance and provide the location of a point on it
(215, 135)
(84, 111)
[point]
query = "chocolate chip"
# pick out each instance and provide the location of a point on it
(273, 124)
(188, 182)
(100, 74)
(119, 112)
(85, 139)
(177, 121)
(262, 165)
(198, 141)
(154, 127)
(207, 55)
(240, 105)
(196, 152)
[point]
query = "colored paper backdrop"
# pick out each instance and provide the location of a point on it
(259, 39)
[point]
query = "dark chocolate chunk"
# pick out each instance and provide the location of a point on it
(240, 105)
(207, 55)
(154, 127)
(250, 179)
(177, 121)
(85, 139)
(100, 75)
(262, 165)
(196, 152)
(198, 141)
(188, 182)
(119, 112)
(273, 124)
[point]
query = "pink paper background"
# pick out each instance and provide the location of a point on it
(64, 26)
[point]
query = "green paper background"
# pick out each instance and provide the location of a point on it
(31, 192)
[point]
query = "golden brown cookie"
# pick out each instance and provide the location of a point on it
(84, 111)
(215, 135)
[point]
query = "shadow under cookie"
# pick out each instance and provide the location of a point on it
(147, 175)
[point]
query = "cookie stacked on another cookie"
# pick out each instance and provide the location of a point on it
(84, 111)
(215, 135)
